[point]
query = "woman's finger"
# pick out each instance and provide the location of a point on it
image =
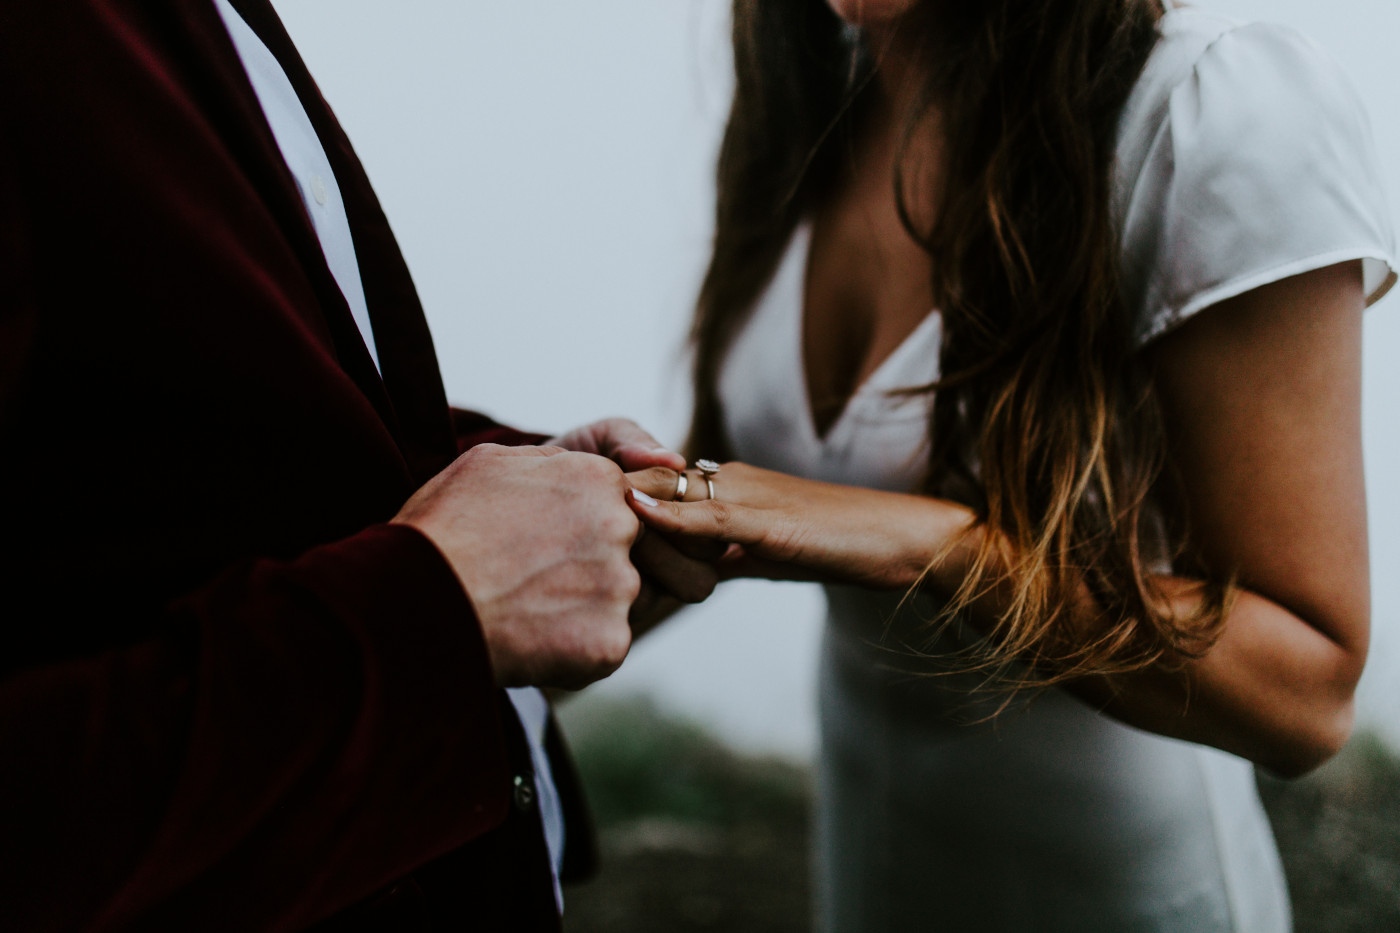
(714, 519)
(704, 549)
(675, 573)
(739, 563)
(667, 485)
(657, 482)
(699, 548)
(736, 483)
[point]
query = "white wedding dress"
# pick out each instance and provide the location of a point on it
(1243, 158)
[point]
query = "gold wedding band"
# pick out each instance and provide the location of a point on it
(708, 469)
(682, 484)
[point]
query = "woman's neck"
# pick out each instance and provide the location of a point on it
(901, 123)
(900, 75)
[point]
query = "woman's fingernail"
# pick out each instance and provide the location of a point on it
(644, 499)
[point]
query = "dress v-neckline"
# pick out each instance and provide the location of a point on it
(800, 254)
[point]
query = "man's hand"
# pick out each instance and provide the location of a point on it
(623, 442)
(539, 538)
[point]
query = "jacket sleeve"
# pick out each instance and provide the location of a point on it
(282, 741)
(300, 734)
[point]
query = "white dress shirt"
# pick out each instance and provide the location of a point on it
(310, 167)
(306, 158)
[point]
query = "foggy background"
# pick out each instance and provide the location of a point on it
(546, 165)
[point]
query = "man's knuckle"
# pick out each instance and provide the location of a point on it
(624, 582)
(609, 647)
(618, 644)
(481, 452)
(618, 525)
(571, 461)
(608, 583)
(601, 467)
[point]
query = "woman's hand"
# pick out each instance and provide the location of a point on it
(788, 528)
(671, 576)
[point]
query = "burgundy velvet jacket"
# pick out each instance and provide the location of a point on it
(231, 697)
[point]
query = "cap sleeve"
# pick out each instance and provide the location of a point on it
(1261, 167)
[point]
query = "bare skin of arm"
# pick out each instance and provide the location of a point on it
(1262, 397)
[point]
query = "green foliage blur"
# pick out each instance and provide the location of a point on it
(638, 762)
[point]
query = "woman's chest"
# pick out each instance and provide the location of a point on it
(879, 437)
(865, 289)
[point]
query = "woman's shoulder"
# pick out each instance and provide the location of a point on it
(1209, 67)
(1184, 36)
(1244, 156)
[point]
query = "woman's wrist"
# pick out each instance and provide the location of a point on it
(938, 541)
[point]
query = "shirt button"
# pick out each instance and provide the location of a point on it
(524, 793)
(318, 189)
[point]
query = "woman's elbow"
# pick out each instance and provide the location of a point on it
(1324, 702)
(1321, 735)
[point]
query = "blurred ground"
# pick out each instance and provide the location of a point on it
(693, 836)
(1339, 831)
(697, 838)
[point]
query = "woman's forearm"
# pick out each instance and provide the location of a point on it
(1273, 688)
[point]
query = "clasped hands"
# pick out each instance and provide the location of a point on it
(556, 565)
(566, 551)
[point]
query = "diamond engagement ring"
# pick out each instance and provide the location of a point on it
(708, 469)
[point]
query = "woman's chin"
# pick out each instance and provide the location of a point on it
(868, 13)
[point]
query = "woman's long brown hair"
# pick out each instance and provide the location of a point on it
(1043, 419)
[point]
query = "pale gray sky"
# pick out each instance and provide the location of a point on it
(546, 165)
